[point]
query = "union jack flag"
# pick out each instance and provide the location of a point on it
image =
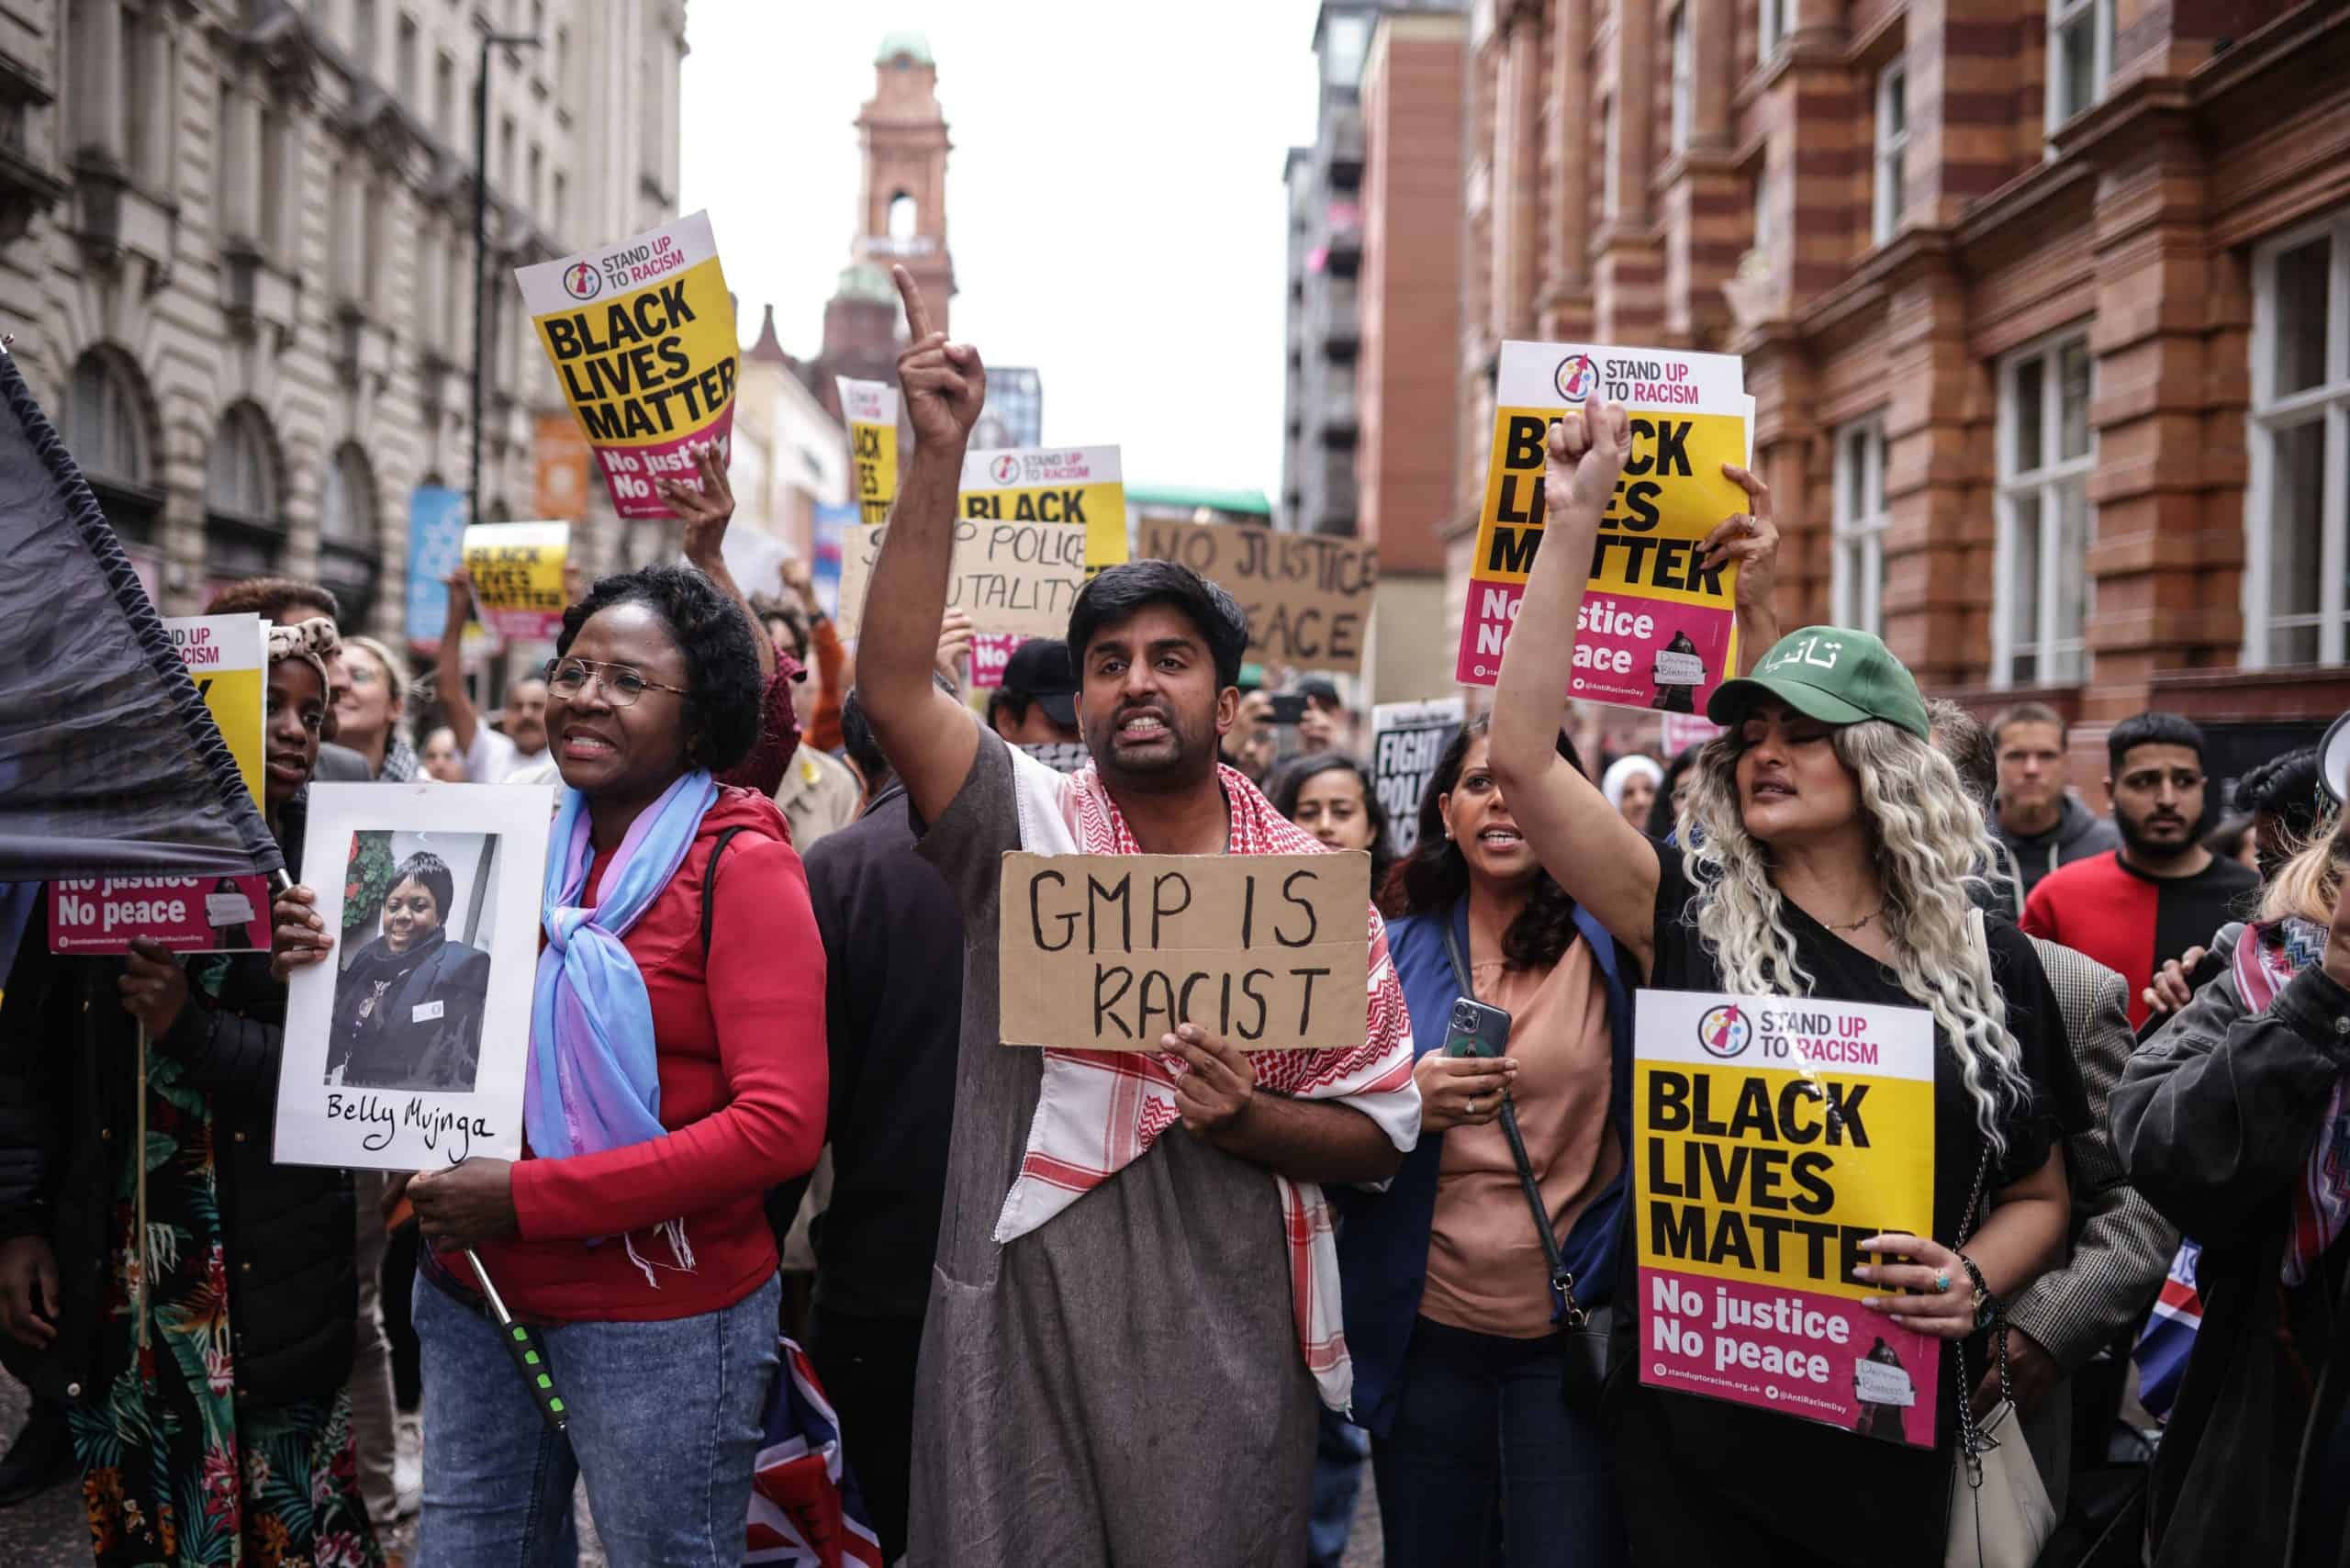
(806, 1511)
(2169, 1339)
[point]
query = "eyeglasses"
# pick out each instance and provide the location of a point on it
(567, 678)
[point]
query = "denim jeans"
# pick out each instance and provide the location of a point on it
(663, 1429)
(1485, 1463)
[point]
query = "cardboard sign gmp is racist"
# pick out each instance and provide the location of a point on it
(1109, 952)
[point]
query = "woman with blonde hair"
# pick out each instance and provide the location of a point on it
(1832, 854)
(370, 712)
(2234, 1122)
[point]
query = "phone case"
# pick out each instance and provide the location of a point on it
(1476, 1029)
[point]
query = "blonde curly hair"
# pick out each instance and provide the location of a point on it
(1930, 843)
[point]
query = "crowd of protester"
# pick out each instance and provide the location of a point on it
(1074, 1313)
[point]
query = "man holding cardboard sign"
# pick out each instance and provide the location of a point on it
(1120, 1229)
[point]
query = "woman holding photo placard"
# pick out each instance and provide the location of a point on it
(216, 1422)
(1832, 854)
(677, 1071)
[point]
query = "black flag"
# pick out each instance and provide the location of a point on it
(109, 763)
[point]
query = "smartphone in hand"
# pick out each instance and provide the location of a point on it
(1476, 1029)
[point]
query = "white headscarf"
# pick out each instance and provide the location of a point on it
(1622, 772)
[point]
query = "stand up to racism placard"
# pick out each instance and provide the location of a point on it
(642, 337)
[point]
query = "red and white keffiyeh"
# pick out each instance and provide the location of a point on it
(1098, 1111)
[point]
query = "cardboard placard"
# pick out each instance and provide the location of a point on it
(1656, 630)
(1308, 596)
(1770, 1136)
(641, 333)
(1018, 578)
(1406, 739)
(1109, 952)
(516, 569)
(228, 658)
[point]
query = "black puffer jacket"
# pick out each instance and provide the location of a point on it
(68, 1111)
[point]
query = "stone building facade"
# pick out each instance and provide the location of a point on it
(2046, 309)
(236, 251)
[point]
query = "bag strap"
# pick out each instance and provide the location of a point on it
(1566, 1310)
(710, 884)
(1972, 1443)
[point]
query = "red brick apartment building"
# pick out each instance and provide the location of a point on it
(2046, 309)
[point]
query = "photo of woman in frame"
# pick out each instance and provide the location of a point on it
(408, 1008)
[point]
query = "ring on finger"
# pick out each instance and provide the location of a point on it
(1941, 1281)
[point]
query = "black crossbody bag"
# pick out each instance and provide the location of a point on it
(1583, 1330)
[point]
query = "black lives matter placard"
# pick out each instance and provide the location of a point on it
(1110, 952)
(641, 334)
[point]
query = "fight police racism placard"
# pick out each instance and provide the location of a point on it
(1657, 629)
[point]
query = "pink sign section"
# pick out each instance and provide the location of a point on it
(1646, 653)
(1822, 1358)
(991, 651)
(186, 915)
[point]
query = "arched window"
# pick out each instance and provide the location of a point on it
(109, 434)
(245, 528)
(349, 556)
(905, 217)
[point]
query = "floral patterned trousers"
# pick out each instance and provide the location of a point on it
(176, 1471)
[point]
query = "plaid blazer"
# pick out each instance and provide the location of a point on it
(2121, 1248)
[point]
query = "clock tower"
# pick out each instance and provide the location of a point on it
(901, 222)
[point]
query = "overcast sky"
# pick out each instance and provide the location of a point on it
(1115, 204)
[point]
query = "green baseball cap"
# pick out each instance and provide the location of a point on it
(1832, 674)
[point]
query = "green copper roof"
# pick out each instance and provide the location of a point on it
(863, 280)
(905, 40)
(1252, 501)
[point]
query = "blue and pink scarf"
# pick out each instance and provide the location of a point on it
(2266, 960)
(595, 1082)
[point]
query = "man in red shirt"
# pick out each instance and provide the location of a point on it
(2162, 893)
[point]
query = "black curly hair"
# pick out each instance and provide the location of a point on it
(1117, 593)
(1435, 875)
(725, 699)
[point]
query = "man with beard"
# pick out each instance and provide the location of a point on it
(1133, 1304)
(2162, 893)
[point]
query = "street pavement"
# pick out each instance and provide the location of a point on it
(51, 1532)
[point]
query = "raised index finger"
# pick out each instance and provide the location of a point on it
(917, 313)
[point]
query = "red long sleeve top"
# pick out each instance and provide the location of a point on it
(744, 1083)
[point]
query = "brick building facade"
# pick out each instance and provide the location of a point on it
(2046, 311)
(1410, 321)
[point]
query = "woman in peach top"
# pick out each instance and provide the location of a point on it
(1482, 1408)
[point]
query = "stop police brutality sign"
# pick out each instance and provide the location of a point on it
(1771, 1135)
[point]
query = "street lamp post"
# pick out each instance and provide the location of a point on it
(481, 237)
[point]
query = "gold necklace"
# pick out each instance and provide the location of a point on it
(1857, 924)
